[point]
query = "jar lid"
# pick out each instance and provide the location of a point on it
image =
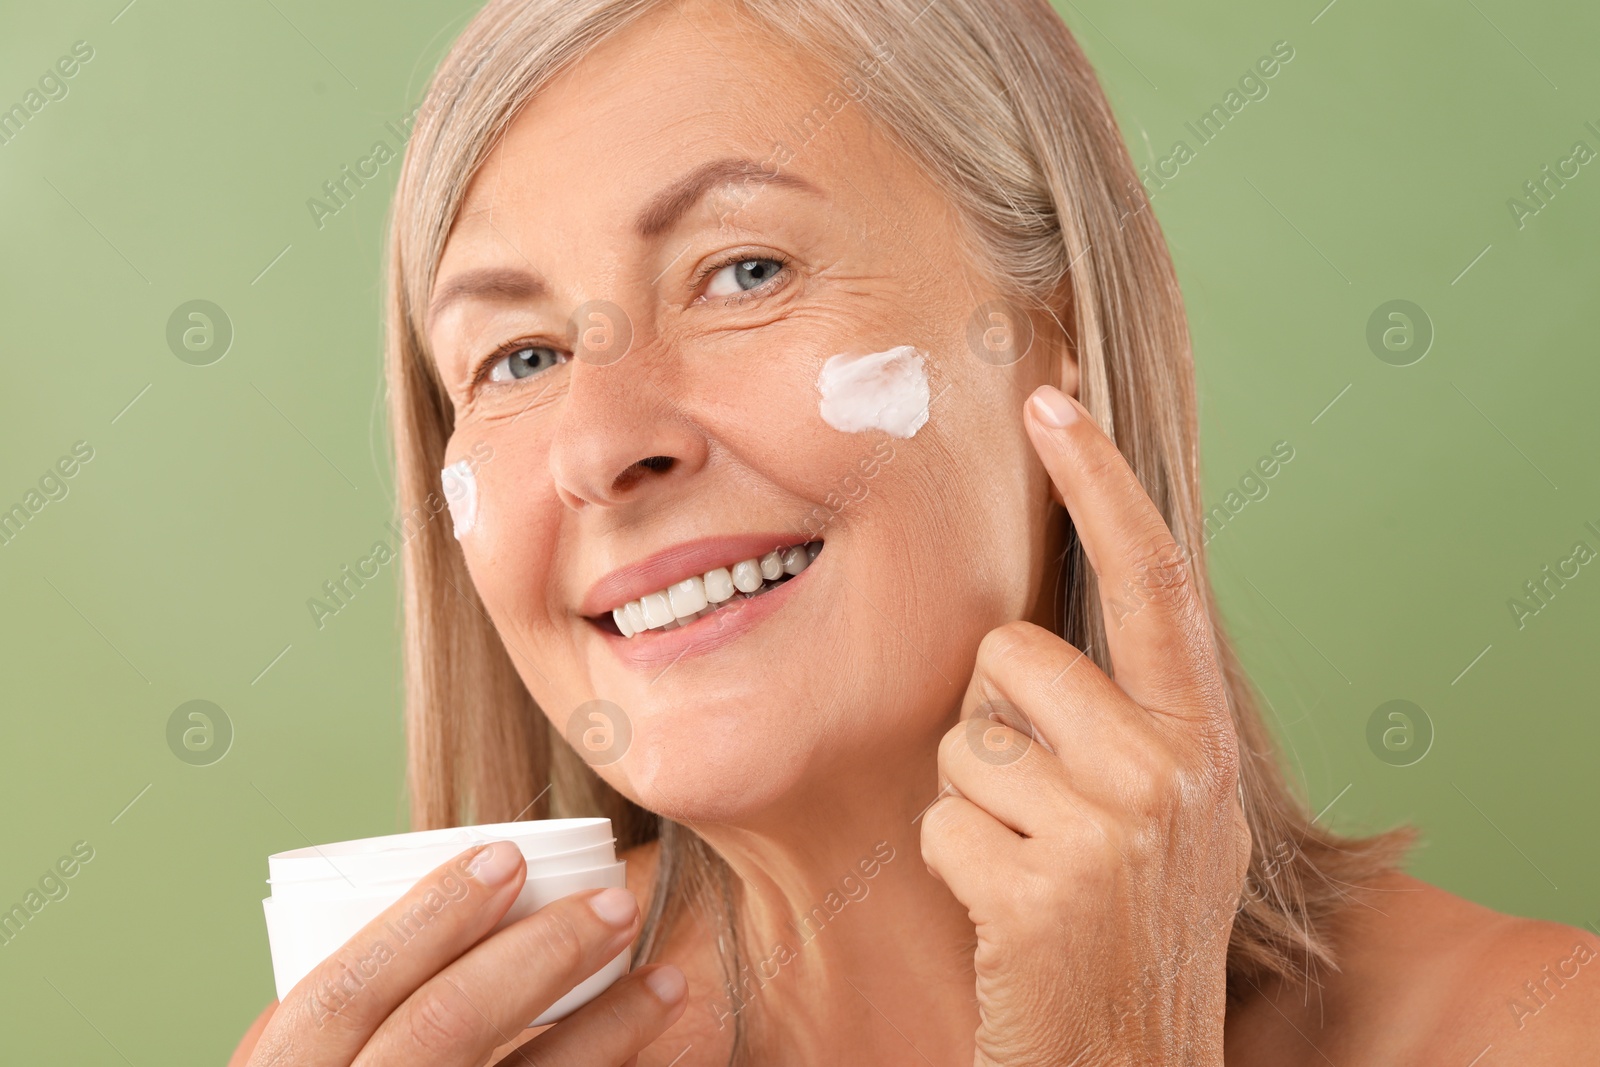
(370, 861)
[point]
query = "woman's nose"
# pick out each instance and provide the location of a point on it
(623, 434)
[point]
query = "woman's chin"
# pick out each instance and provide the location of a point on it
(700, 782)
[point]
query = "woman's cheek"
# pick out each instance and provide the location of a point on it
(826, 425)
(494, 496)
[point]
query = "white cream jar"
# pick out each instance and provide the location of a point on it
(323, 895)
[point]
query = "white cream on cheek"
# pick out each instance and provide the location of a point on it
(461, 495)
(885, 391)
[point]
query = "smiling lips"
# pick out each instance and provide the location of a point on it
(686, 600)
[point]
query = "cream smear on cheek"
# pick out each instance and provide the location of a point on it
(461, 495)
(885, 391)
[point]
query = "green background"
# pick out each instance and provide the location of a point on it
(177, 568)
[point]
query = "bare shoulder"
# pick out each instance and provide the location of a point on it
(1475, 979)
(1428, 977)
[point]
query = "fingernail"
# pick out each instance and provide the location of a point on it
(495, 865)
(616, 907)
(1052, 407)
(667, 983)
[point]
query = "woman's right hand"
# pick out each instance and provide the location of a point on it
(444, 998)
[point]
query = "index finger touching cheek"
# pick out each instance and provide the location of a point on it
(1156, 625)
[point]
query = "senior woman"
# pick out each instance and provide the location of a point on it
(814, 401)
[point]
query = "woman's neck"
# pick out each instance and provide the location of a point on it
(847, 942)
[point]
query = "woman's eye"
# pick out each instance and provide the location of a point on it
(742, 276)
(523, 363)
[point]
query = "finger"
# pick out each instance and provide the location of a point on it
(503, 983)
(1003, 771)
(1051, 694)
(1156, 625)
(1039, 796)
(1109, 749)
(332, 1012)
(616, 1025)
(1007, 774)
(964, 846)
(247, 1043)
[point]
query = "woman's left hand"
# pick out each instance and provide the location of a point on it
(1094, 829)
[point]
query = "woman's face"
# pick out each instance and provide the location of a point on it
(675, 429)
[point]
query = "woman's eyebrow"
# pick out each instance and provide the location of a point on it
(671, 203)
(501, 283)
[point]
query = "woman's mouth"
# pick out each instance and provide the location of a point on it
(708, 593)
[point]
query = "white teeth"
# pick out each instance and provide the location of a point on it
(687, 597)
(657, 610)
(719, 585)
(685, 601)
(747, 576)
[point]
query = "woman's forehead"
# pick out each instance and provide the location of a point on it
(562, 185)
(677, 87)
